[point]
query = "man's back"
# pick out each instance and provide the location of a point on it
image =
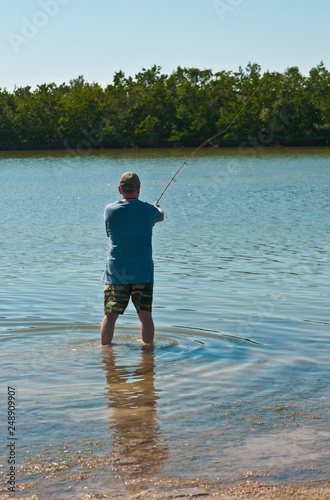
(129, 227)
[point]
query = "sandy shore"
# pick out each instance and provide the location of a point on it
(248, 490)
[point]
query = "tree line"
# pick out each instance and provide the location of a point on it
(158, 110)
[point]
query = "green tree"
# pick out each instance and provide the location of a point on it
(184, 108)
(7, 115)
(37, 115)
(80, 113)
(318, 91)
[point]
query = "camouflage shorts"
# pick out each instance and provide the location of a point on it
(116, 297)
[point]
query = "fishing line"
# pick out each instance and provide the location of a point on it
(209, 140)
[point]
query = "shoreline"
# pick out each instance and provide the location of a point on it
(175, 151)
(169, 488)
(241, 145)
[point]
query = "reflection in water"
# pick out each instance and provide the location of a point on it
(137, 443)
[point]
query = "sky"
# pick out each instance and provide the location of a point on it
(45, 41)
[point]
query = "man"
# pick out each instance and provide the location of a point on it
(130, 270)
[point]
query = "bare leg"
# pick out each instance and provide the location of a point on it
(147, 326)
(107, 327)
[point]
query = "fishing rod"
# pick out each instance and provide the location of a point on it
(209, 140)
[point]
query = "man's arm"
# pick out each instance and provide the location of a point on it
(160, 210)
(107, 213)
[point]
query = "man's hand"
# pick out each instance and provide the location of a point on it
(162, 211)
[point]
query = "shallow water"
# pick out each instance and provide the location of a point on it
(236, 384)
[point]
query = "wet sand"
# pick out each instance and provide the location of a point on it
(166, 489)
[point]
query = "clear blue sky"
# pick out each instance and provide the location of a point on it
(45, 41)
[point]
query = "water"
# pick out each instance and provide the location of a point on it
(236, 385)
